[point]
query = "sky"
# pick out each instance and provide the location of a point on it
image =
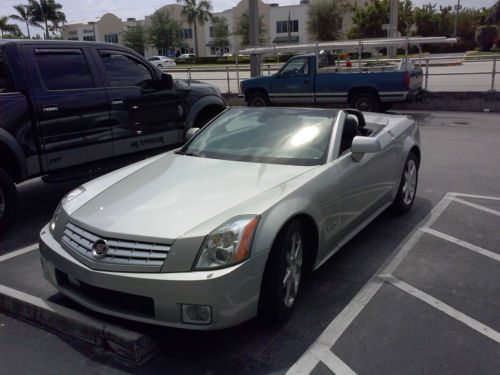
(89, 10)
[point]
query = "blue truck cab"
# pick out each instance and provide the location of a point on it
(304, 80)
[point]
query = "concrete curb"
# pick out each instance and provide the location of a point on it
(130, 345)
(463, 101)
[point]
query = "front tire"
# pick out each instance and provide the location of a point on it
(365, 102)
(8, 201)
(408, 186)
(258, 99)
(283, 274)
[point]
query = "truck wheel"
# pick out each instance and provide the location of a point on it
(8, 201)
(365, 101)
(258, 99)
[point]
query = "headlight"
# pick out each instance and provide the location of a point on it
(71, 195)
(53, 221)
(229, 244)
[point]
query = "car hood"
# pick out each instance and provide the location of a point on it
(176, 193)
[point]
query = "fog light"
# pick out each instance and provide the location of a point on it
(196, 314)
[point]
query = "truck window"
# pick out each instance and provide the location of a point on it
(4, 75)
(62, 69)
(122, 70)
(296, 68)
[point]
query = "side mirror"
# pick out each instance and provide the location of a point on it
(364, 145)
(190, 133)
(166, 82)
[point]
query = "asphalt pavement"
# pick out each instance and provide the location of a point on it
(435, 310)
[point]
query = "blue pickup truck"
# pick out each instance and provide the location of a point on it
(366, 87)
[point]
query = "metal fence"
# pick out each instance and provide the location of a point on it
(228, 77)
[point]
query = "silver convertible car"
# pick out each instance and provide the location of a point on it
(225, 228)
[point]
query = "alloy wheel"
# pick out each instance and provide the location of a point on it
(410, 181)
(293, 270)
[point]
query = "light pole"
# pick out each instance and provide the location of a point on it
(253, 20)
(393, 27)
(455, 25)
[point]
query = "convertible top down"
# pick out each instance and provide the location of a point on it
(224, 228)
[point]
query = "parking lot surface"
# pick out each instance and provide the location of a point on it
(412, 294)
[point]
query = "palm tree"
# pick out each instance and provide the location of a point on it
(46, 11)
(5, 26)
(196, 12)
(24, 15)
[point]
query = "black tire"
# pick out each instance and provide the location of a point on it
(273, 296)
(258, 99)
(365, 101)
(406, 193)
(8, 201)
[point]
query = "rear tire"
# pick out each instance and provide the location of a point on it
(407, 187)
(8, 201)
(258, 99)
(365, 102)
(283, 274)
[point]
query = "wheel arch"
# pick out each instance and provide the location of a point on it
(252, 90)
(206, 103)
(360, 89)
(12, 158)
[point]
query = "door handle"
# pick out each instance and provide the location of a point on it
(116, 101)
(50, 108)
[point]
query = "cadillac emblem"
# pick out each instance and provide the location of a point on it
(99, 248)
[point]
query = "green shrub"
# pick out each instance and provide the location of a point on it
(485, 36)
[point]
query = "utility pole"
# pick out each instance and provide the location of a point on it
(393, 27)
(253, 15)
(455, 25)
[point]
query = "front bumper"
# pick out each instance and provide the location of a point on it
(232, 293)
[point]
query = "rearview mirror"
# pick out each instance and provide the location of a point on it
(363, 145)
(190, 133)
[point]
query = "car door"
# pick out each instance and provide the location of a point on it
(143, 116)
(70, 106)
(366, 184)
(294, 83)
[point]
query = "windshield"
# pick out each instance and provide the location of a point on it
(266, 135)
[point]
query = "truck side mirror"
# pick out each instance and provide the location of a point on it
(166, 82)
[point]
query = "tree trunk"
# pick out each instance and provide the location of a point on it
(28, 28)
(46, 29)
(195, 40)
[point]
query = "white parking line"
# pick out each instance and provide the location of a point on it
(475, 196)
(477, 206)
(336, 328)
(465, 244)
(16, 253)
(443, 307)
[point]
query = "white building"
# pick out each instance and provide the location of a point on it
(109, 28)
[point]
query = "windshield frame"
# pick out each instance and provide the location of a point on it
(268, 160)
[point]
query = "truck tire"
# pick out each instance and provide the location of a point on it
(8, 201)
(365, 101)
(258, 99)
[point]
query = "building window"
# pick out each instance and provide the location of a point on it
(111, 38)
(282, 26)
(73, 38)
(186, 34)
(211, 31)
(89, 38)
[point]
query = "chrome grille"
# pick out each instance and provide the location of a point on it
(120, 252)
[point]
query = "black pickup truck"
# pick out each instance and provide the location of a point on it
(75, 109)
